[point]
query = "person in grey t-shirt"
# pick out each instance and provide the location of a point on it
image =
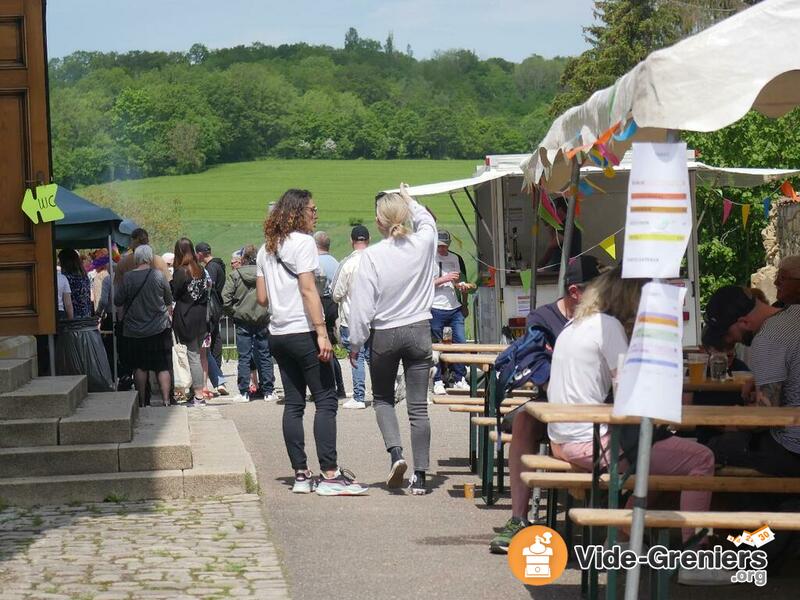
(734, 315)
(147, 299)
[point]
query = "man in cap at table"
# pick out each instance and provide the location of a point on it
(734, 315)
(449, 306)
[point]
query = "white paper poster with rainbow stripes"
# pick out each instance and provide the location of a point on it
(659, 216)
(651, 382)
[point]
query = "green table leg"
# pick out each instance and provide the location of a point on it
(663, 575)
(473, 430)
(488, 492)
(594, 496)
(613, 502)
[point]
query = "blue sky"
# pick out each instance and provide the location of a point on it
(512, 29)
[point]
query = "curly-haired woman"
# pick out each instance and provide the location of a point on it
(286, 280)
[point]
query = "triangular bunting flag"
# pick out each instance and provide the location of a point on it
(595, 186)
(548, 218)
(548, 206)
(767, 207)
(726, 209)
(585, 188)
(745, 214)
(629, 130)
(788, 191)
(610, 246)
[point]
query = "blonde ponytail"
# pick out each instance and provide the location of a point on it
(394, 216)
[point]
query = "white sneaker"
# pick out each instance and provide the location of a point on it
(438, 388)
(273, 397)
(461, 384)
(352, 403)
(705, 577)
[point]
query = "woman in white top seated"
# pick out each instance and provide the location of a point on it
(391, 302)
(584, 363)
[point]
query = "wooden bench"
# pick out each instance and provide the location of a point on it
(546, 463)
(678, 519)
(466, 408)
(505, 437)
(469, 348)
(670, 483)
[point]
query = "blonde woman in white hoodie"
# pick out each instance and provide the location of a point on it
(391, 305)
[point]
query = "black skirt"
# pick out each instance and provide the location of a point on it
(152, 353)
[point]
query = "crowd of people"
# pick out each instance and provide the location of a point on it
(290, 302)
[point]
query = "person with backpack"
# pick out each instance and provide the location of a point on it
(328, 266)
(190, 289)
(550, 320)
(298, 338)
(390, 305)
(215, 268)
(240, 302)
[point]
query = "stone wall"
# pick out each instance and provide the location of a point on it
(781, 237)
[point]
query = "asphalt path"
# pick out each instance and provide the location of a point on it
(391, 544)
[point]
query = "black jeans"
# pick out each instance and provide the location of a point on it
(755, 450)
(296, 355)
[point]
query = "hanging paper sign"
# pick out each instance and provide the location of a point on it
(726, 209)
(651, 381)
(659, 214)
(788, 191)
(626, 133)
(610, 246)
(745, 215)
(44, 204)
(767, 207)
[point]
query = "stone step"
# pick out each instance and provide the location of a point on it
(44, 397)
(14, 373)
(29, 432)
(160, 443)
(220, 464)
(103, 417)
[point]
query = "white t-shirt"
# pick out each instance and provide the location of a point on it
(299, 253)
(63, 288)
(585, 354)
(445, 296)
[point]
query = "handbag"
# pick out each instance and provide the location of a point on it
(181, 375)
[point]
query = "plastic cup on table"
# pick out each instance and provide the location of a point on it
(697, 367)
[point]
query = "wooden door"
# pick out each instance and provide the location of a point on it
(27, 277)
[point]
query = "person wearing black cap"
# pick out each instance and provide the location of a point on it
(342, 285)
(215, 268)
(734, 315)
(527, 430)
(449, 306)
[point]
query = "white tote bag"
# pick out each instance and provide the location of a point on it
(180, 365)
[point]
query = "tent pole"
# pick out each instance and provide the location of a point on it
(569, 226)
(535, 193)
(112, 308)
(642, 473)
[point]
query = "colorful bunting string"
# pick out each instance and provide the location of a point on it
(610, 246)
(726, 209)
(788, 191)
(745, 215)
(630, 130)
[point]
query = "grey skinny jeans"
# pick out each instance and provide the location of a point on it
(412, 345)
(195, 366)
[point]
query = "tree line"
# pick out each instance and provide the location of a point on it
(141, 114)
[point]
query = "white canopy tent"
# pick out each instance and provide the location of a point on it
(702, 83)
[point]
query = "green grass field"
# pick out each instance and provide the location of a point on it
(226, 205)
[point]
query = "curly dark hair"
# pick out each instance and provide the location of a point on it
(286, 217)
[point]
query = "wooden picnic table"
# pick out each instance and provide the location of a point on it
(734, 416)
(692, 416)
(469, 348)
(710, 385)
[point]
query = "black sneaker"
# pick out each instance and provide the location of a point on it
(417, 486)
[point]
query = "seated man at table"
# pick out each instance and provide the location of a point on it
(773, 334)
(527, 431)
